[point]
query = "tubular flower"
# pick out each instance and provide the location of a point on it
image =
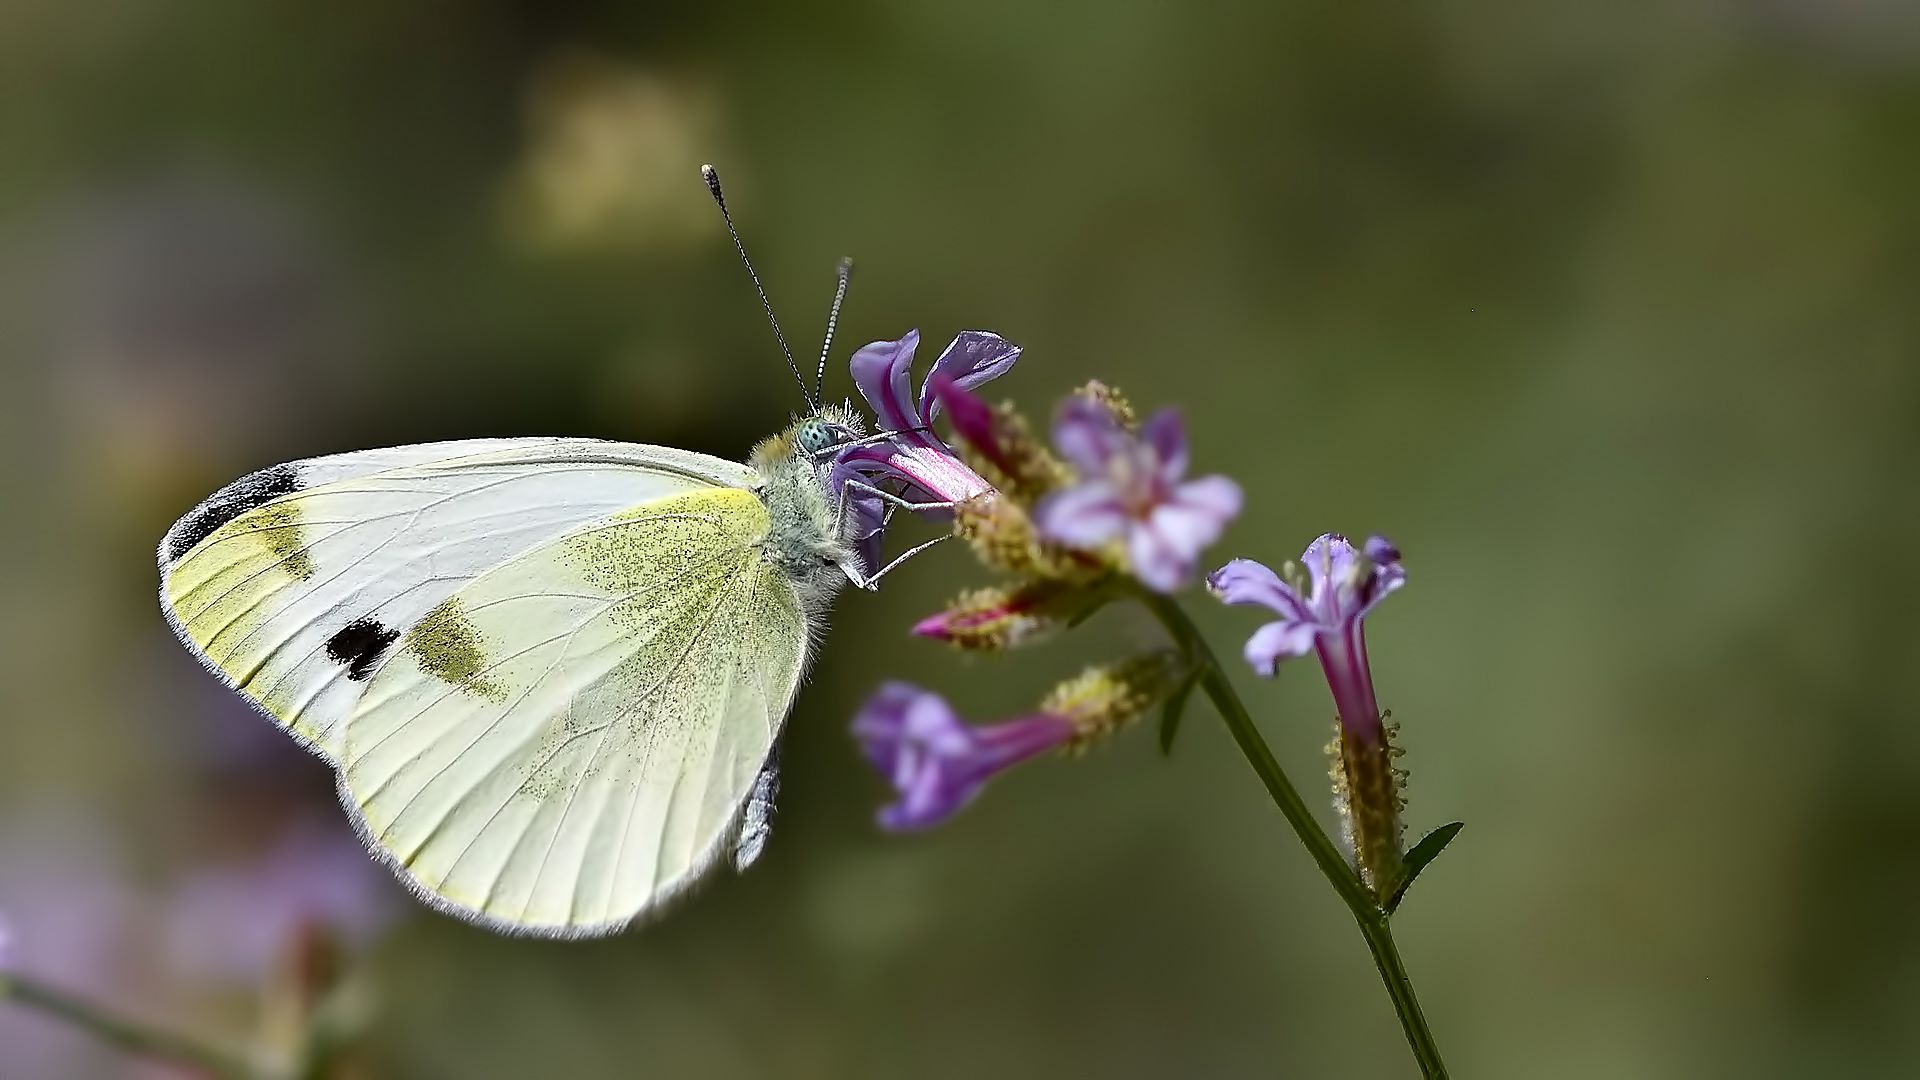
(999, 445)
(1323, 602)
(905, 451)
(936, 762)
(1322, 605)
(911, 452)
(1133, 490)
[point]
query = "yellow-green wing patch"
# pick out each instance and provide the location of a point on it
(217, 589)
(296, 583)
(448, 647)
(574, 745)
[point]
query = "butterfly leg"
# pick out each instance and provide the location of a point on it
(894, 502)
(888, 497)
(756, 822)
(871, 583)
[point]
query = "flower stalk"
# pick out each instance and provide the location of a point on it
(1326, 854)
(1109, 513)
(131, 1036)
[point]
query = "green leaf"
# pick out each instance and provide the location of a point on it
(1424, 852)
(1175, 707)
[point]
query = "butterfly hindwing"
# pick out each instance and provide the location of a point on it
(567, 740)
(297, 583)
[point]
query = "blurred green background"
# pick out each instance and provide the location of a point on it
(1606, 313)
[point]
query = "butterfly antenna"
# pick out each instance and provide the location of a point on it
(845, 271)
(712, 177)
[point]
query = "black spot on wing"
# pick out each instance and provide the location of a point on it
(359, 645)
(247, 493)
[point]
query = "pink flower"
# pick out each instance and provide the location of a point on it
(1321, 606)
(1133, 488)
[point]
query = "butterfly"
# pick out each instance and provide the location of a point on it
(550, 673)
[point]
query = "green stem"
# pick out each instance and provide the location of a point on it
(1326, 854)
(124, 1034)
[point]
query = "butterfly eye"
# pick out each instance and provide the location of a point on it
(817, 437)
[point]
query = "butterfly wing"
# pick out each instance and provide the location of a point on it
(294, 583)
(569, 739)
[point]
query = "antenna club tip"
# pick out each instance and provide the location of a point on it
(709, 173)
(845, 266)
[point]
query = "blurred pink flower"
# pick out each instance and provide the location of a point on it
(68, 910)
(232, 922)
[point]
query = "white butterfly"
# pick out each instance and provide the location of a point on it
(551, 673)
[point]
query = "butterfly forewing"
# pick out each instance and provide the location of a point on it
(567, 740)
(296, 583)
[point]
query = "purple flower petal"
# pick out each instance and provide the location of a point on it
(1330, 555)
(1217, 496)
(1198, 514)
(1342, 587)
(1161, 562)
(974, 357)
(1183, 528)
(972, 421)
(1168, 523)
(1087, 436)
(925, 469)
(1386, 575)
(1167, 435)
(931, 471)
(1244, 581)
(868, 516)
(936, 762)
(1276, 641)
(1381, 550)
(1083, 516)
(233, 922)
(930, 722)
(883, 373)
(881, 721)
(1330, 562)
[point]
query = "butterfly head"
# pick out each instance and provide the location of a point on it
(827, 430)
(816, 436)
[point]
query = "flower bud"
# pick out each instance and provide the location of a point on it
(1001, 618)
